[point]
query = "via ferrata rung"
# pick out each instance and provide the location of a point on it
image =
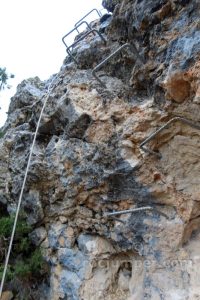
(108, 58)
(94, 9)
(128, 211)
(155, 133)
(91, 30)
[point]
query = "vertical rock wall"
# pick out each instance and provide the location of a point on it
(87, 159)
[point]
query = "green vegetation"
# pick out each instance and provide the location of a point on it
(1, 134)
(28, 268)
(4, 77)
(26, 260)
(10, 274)
(6, 225)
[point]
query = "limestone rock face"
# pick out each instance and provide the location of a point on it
(87, 159)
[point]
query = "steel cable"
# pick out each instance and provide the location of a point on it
(23, 186)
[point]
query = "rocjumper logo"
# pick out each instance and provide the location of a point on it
(182, 264)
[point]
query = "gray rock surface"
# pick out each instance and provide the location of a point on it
(87, 159)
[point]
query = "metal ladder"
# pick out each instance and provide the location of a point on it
(94, 73)
(69, 48)
(91, 30)
(98, 67)
(76, 26)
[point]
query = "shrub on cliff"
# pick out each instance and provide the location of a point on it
(4, 76)
(26, 262)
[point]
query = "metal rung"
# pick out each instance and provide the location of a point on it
(128, 211)
(101, 64)
(152, 136)
(94, 9)
(84, 22)
(80, 39)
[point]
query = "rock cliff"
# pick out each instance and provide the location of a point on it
(88, 161)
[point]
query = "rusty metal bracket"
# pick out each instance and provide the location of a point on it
(153, 135)
(101, 64)
(80, 39)
(128, 211)
(80, 21)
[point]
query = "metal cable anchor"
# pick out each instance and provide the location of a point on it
(101, 64)
(153, 135)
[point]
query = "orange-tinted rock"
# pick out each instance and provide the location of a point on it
(7, 295)
(177, 88)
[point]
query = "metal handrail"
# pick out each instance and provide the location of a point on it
(101, 64)
(94, 9)
(152, 136)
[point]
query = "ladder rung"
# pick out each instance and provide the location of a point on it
(102, 63)
(154, 134)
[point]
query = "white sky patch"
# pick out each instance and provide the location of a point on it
(31, 33)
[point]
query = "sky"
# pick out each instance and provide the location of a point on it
(30, 36)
